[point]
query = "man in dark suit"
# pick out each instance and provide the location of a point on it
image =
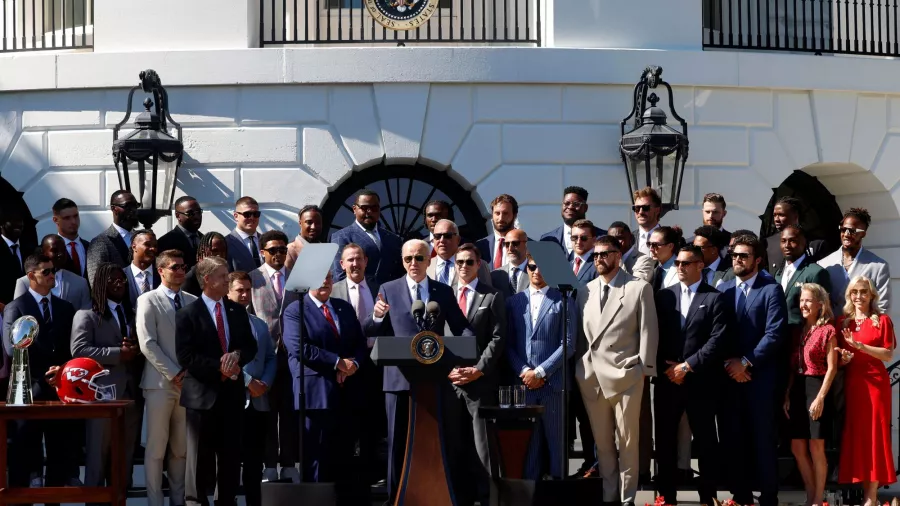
(391, 317)
(112, 244)
(186, 235)
(243, 241)
(574, 208)
(68, 221)
(50, 348)
(798, 268)
(141, 272)
(382, 246)
(582, 259)
(435, 211)
(214, 341)
(333, 348)
(512, 278)
(476, 386)
(693, 320)
(713, 243)
(504, 211)
(12, 251)
(787, 211)
(752, 366)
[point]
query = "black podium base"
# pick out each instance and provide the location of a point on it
(290, 494)
(511, 492)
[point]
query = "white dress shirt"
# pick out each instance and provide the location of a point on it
(140, 275)
(470, 294)
(171, 296)
(423, 289)
(38, 297)
(567, 238)
(643, 237)
(211, 307)
(270, 273)
(687, 296)
(124, 234)
(79, 248)
(789, 270)
(535, 300)
(439, 268)
(112, 307)
(18, 248)
(245, 237)
(745, 286)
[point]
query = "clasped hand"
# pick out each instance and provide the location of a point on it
(228, 365)
(675, 372)
(531, 380)
(346, 368)
(463, 375)
(737, 371)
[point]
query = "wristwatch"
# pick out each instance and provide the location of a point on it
(685, 368)
(744, 362)
(537, 374)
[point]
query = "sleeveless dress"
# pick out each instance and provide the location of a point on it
(866, 449)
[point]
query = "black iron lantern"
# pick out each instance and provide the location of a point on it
(653, 152)
(147, 158)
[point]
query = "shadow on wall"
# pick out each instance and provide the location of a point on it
(820, 214)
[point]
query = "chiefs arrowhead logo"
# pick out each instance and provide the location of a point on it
(76, 374)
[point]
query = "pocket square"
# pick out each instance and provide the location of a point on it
(798, 284)
(483, 308)
(702, 306)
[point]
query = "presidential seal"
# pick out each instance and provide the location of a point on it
(401, 14)
(427, 347)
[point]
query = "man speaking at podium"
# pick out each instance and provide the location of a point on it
(392, 317)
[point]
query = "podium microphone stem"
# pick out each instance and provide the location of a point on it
(301, 390)
(566, 291)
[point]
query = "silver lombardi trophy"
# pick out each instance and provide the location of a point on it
(23, 332)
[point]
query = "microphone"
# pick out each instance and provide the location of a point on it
(418, 313)
(433, 312)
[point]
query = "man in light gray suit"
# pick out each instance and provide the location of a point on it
(851, 260)
(616, 350)
(69, 286)
(259, 374)
(243, 242)
(104, 333)
(442, 267)
(269, 300)
(512, 278)
(161, 379)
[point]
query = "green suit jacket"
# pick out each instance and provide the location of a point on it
(808, 272)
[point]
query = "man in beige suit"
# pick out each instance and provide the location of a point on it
(161, 380)
(443, 265)
(616, 352)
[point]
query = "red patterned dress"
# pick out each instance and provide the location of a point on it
(866, 450)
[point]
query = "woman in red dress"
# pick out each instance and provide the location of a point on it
(868, 335)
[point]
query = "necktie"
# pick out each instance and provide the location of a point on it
(372, 235)
(330, 320)
(123, 324)
(255, 250)
(445, 273)
(514, 279)
(604, 297)
(418, 291)
(195, 240)
(787, 275)
(742, 299)
(498, 258)
(360, 306)
(433, 250)
(685, 304)
(658, 279)
(706, 278)
(276, 281)
(73, 254)
(177, 302)
(463, 303)
(45, 309)
(14, 249)
(220, 327)
(577, 265)
(145, 285)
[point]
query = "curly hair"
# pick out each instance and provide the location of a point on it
(860, 213)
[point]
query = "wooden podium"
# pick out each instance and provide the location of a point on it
(425, 479)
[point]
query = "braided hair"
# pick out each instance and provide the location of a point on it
(206, 244)
(98, 287)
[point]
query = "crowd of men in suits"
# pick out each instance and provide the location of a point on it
(200, 332)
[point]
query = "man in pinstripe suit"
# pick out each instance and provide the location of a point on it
(535, 353)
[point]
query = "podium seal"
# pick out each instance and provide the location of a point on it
(401, 14)
(427, 347)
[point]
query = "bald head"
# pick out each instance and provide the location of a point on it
(516, 244)
(54, 247)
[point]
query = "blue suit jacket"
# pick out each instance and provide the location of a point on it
(321, 350)
(556, 235)
(587, 272)
(384, 265)
(262, 367)
(760, 329)
(546, 345)
(399, 322)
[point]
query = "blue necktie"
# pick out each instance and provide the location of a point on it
(445, 274)
(742, 300)
(418, 291)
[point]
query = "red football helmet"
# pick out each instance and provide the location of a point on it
(77, 382)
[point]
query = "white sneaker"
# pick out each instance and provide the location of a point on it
(290, 473)
(270, 474)
(36, 482)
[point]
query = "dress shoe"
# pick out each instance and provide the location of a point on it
(270, 474)
(290, 473)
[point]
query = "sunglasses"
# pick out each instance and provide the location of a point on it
(742, 256)
(444, 235)
(511, 244)
(178, 267)
(643, 208)
(249, 214)
(192, 213)
(851, 231)
(44, 272)
(469, 262)
(276, 250)
(118, 282)
(368, 209)
(532, 267)
(685, 263)
(582, 238)
(652, 245)
(603, 255)
(575, 204)
(417, 258)
(127, 207)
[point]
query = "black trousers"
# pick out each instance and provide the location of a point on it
(282, 443)
(217, 431)
(373, 430)
(750, 433)
(697, 398)
(578, 416)
(253, 447)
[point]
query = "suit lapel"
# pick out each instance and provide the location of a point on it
(699, 300)
(118, 242)
(529, 330)
(613, 304)
(543, 310)
(754, 292)
(165, 306)
(473, 308)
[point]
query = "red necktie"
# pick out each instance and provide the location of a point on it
(498, 258)
(577, 265)
(73, 252)
(330, 319)
(463, 303)
(220, 327)
(433, 250)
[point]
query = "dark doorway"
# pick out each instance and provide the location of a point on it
(404, 190)
(820, 214)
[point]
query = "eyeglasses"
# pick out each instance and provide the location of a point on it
(644, 208)
(368, 209)
(192, 213)
(276, 250)
(127, 207)
(685, 263)
(603, 255)
(417, 258)
(653, 245)
(574, 204)
(118, 282)
(44, 272)
(249, 214)
(851, 231)
(532, 267)
(469, 262)
(444, 235)
(857, 292)
(511, 244)
(178, 267)
(583, 238)
(742, 256)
